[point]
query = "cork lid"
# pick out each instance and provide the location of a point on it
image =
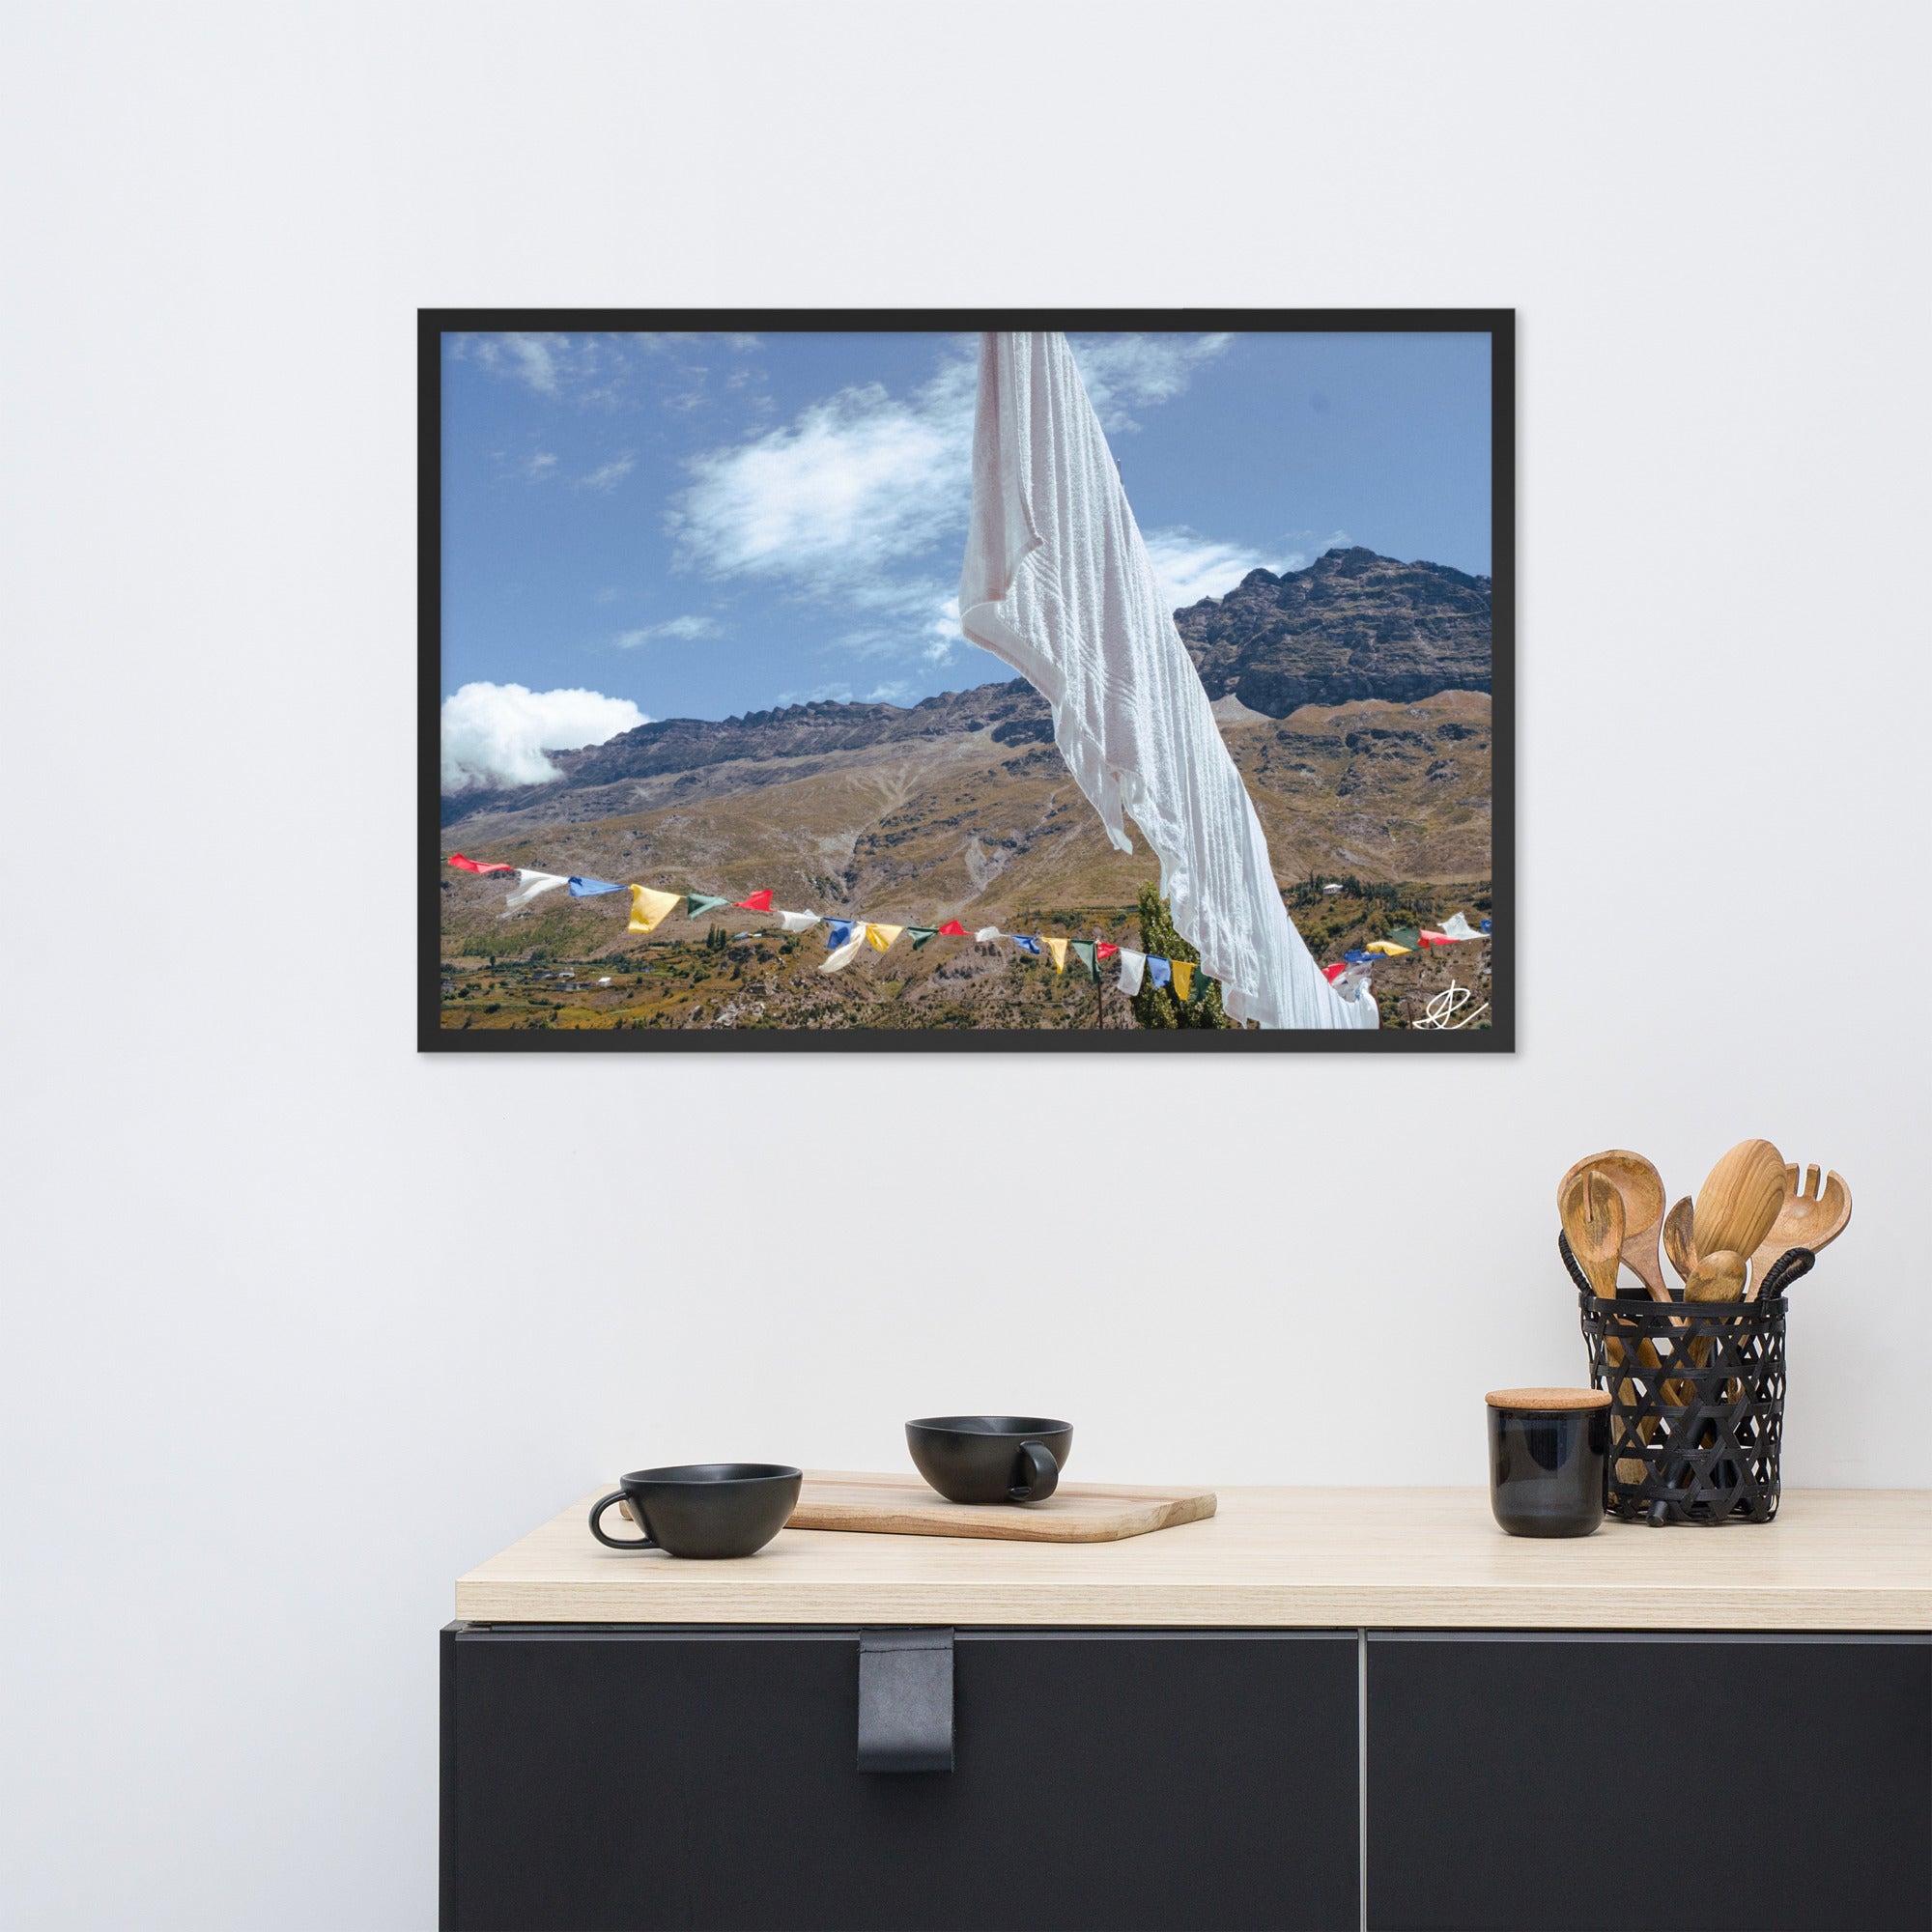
(1548, 1400)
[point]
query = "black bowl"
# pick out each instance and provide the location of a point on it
(703, 1509)
(990, 1458)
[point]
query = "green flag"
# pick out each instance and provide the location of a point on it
(919, 934)
(1199, 990)
(698, 905)
(1408, 936)
(1083, 950)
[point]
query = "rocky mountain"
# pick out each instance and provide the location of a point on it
(607, 778)
(1352, 625)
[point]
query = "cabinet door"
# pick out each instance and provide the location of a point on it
(602, 1778)
(1621, 1783)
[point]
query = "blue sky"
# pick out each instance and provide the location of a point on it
(680, 526)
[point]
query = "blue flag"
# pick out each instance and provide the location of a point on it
(1359, 957)
(1025, 944)
(1486, 925)
(839, 933)
(1159, 971)
(583, 889)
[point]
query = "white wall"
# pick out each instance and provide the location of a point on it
(301, 1324)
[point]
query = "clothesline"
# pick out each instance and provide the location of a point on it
(846, 938)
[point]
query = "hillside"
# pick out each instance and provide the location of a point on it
(959, 807)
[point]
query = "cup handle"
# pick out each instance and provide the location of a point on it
(1042, 1474)
(597, 1510)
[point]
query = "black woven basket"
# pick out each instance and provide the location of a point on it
(1696, 1398)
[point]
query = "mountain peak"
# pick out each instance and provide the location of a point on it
(1353, 624)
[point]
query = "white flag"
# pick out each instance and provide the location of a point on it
(799, 922)
(1132, 963)
(530, 884)
(1058, 583)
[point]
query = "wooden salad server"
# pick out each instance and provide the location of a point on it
(1592, 1211)
(1809, 1216)
(1641, 1187)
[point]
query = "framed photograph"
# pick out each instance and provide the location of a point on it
(1082, 681)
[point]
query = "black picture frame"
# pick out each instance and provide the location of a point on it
(1499, 1037)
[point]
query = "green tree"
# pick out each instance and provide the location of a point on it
(1156, 1005)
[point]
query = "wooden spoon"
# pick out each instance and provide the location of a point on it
(1593, 1221)
(1680, 1239)
(1739, 1200)
(1641, 1187)
(1593, 1218)
(1716, 1277)
(1809, 1216)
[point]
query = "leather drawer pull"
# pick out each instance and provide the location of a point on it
(905, 1700)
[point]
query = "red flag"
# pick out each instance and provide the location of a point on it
(1437, 939)
(464, 864)
(757, 902)
(1106, 949)
(1333, 972)
(952, 929)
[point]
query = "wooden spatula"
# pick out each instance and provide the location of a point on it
(1680, 1240)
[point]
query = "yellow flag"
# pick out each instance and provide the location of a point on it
(882, 936)
(1184, 977)
(1058, 948)
(1387, 948)
(649, 910)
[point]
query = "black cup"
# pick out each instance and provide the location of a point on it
(703, 1509)
(990, 1458)
(1549, 1459)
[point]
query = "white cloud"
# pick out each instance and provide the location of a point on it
(1191, 566)
(540, 468)
(497, 735)
(671, 626)
(610, 475)
(857, 483)
(1127, 371)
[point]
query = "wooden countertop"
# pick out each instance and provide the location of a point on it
(1834, 1559)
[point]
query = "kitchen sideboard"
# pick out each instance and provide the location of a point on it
(1316, 1708)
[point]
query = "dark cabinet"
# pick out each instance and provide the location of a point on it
(1575, 1782)
(608, 1777)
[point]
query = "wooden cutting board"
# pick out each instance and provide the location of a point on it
(1075, 1512)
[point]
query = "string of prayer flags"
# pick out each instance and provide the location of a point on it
(586, 889)
(464, 864)
(698, 905)
(919, 934)
(1025, 944)
(757, 902)
(1159, 971)
(1131, 965)
(799, 922)
(1058, 948)
(1083, 950)
(952, 929)
(1184, 977)
(882, 936)
(987, 934)
(529, 885)
(649, 910)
